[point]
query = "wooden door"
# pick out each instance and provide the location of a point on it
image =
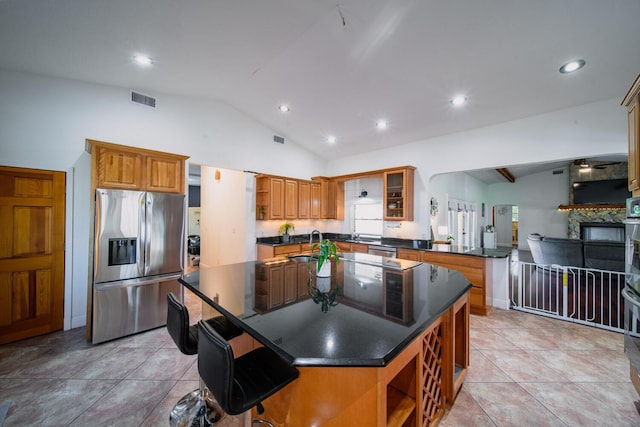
(31, 252)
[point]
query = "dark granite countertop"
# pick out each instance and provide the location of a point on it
(425, 245)
(380, 310)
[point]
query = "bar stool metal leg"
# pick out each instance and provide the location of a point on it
(196, 409)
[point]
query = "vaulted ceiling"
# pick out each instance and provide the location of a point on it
(340, 66)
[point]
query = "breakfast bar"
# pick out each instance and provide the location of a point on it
(390, 349)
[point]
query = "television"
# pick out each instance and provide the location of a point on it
(606, 192)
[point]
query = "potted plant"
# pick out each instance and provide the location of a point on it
(285, 229)
(327, 251)
(261, 212)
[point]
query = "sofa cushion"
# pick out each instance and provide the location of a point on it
(561, 251)
(534, 245)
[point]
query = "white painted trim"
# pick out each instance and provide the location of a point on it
(68, 248)
(500, 280)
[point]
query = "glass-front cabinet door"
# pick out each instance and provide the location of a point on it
(398, 195)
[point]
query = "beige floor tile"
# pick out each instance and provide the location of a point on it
(526, 370)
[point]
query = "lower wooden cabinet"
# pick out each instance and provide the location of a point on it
(473, 268)
(414, 389)
(410, 254)
(352, 247)
(264, 252)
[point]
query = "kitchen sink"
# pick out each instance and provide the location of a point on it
(303, 258)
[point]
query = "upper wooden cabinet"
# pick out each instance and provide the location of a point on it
(632, 102)
(279, 198)
(315, 196)
(290, 199)
(304, 200)
(269, 197)
(398, 194)
(331, 198)
(130, 168)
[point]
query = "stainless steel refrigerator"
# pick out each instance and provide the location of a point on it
(138, 258)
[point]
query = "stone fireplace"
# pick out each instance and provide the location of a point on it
(611, 215)
(601, 231)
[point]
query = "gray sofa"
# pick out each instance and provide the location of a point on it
(597, 254)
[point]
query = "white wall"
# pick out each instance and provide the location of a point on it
(585, 131)
(222, 229)
(537, 197)
(460, 186)
(44, 123)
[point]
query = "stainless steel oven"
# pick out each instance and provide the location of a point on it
(631, 291)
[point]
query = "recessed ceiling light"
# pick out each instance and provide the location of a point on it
(572, 66)
(284, 108)
(381, 124)
(331, 139)
(143, 61)
(458, 100)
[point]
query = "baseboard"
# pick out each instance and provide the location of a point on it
(78, 322)
(502, 304)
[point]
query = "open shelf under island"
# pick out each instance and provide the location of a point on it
(393, 351)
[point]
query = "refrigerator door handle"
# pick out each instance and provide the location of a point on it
(137, 282)
(630, 297)
(142, 236)
(147, 232)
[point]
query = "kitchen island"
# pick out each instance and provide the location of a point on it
(393, 350)
(488, 270)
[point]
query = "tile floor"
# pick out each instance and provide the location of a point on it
(526, 370)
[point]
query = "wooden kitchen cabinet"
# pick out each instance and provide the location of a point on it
(360, 248)
(304, 200)
(410, 254)
(130, 168)
(398, 194)
(331, 198)
(315, 194)
(632, 102)
(352, 247)
(343, 246)
(475, 269)
(268, 251)
(290, 199)
(270, 197)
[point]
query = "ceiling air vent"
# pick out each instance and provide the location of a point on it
(558, 172)
(139, 98)
(278, 139)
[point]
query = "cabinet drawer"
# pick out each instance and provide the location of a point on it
(286, 249)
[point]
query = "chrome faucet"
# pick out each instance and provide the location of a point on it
(311, 237)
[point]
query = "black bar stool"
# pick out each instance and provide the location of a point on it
(197, 408)
(243, 383)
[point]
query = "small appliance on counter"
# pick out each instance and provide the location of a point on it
(138, 258)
